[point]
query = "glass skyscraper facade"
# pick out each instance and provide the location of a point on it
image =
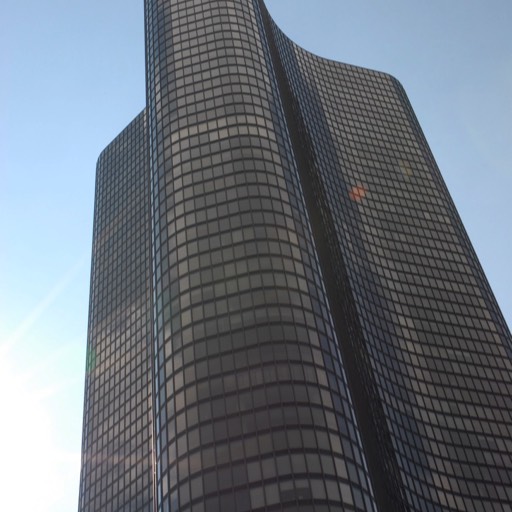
(286, 313)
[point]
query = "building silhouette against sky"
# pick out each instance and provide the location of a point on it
(286, 313)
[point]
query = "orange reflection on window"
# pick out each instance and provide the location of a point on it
(358, 193)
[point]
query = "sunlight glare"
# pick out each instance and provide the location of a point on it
(28, 467)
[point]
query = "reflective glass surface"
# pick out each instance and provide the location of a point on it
(286, 312)
(428, 345)
(252, 409)
(116, 451)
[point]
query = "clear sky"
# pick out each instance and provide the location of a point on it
(72, 76)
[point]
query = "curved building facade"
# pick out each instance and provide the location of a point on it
(313, 330)
(117, 456)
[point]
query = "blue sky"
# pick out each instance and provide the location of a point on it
(73, 77)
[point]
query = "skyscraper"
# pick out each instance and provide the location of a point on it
(286, 312)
